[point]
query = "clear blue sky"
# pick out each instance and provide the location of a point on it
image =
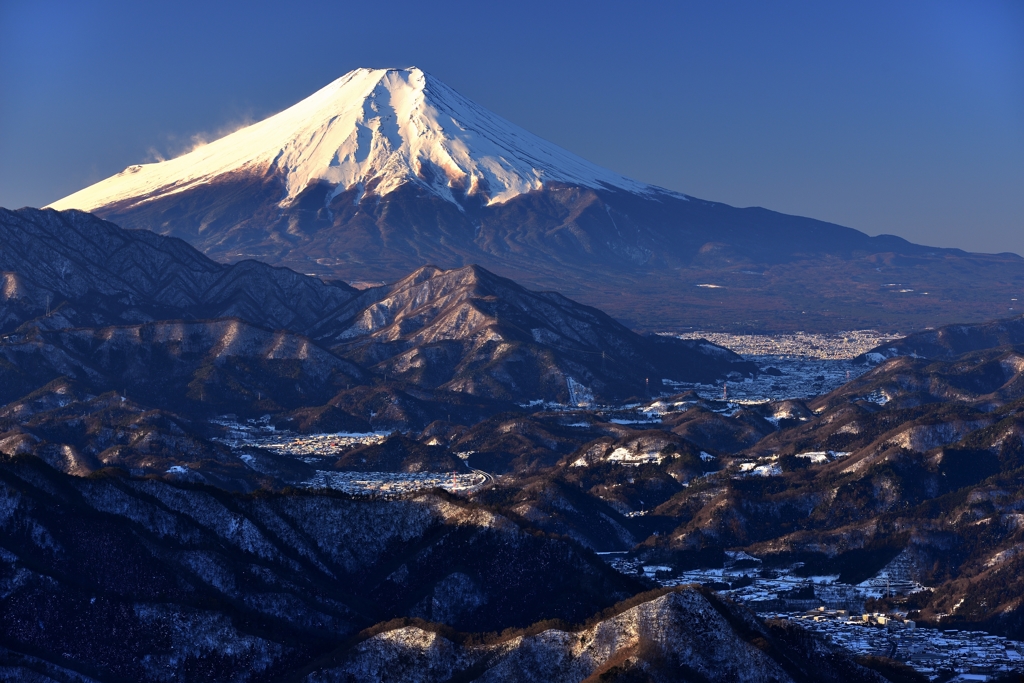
(889, 117)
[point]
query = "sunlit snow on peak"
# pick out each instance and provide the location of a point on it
(376, 128)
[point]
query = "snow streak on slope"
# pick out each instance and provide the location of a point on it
(374, 129)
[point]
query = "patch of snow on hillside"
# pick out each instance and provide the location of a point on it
(579, 395)
(815, 457)
(625, 456)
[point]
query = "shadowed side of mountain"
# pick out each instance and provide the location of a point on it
(263, 583)
(224, 365)
(464, 330)
(950, 341)
(80, 433)
(96, 273)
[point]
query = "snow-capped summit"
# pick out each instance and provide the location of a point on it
(387, 170)
(375, 130)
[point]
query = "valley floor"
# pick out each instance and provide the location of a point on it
(799, 365)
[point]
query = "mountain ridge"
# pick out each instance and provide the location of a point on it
(75, 282)
(384, 171)
(50, 256)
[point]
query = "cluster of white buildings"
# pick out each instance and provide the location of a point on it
(780, 594)
(801, 378)
(768, 466)
(967, 655)
(313, 448)
(307, 447)
(395, 483)
(810, 364)
(316, 446)
(840, 346)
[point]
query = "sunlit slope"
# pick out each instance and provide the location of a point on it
(371, 128)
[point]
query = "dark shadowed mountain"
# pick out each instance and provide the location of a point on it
(112, 579)
(384, 171)
(950, 341)
(79, 271)
(118, 579)
(179, 365)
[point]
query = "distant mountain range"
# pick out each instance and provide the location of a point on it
(131, 310)
(387, 170)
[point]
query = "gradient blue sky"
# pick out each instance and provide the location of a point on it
(889, 117)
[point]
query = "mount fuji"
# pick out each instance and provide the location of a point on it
(386, 170)
(373, 131)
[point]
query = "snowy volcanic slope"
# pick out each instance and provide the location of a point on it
(377, 129)
(385, 171)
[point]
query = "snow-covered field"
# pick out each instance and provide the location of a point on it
(314, 448)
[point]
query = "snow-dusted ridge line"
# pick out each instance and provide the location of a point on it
(376, 128)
